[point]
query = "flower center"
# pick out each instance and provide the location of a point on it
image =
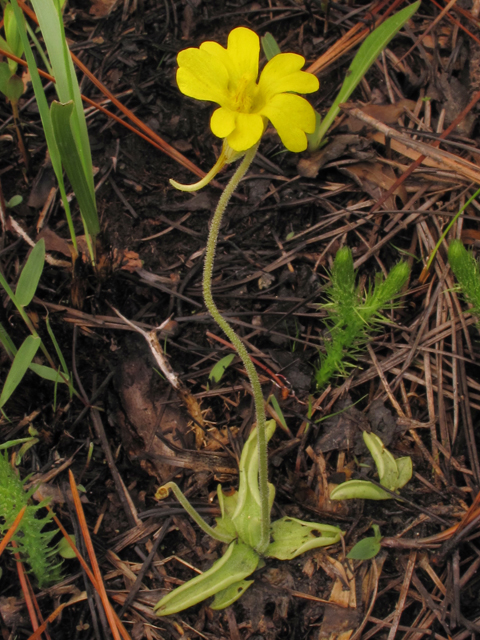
(244, 94)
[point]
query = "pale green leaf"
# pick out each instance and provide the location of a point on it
(365, 549)
(31, 273)
(238, 562)
(292, 537)
(231, 594)
(361, 489)
(65, 550)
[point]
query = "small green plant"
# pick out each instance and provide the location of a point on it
(352, 320)
(467, 272)
(368, 547)
(240, 526)
(393, 474)
(32, 541)
(64, 122)
(23, 357)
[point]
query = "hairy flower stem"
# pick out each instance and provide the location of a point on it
(238, 344)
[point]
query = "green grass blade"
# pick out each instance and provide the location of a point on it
(20, 364)
(47, 373)
(369, 51)
(57, 347)
(31, 273)
(46, 121)
(61, 114)
(53, 32)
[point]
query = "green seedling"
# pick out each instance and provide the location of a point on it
(80, 168)
(11, 85)
(240, 526)
(368, 52)
(393, 474)
(23, 358)
(467, 272)
(33, 542)
(351, 320)
(218, 370)
(368, 547)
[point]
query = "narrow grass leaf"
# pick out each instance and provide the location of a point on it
(47, 373)
(57, 347)
(20, 364)
(272, 399)
(368, 52)
(61, 114)
(31, 273)
(46, 122)
(53, 32)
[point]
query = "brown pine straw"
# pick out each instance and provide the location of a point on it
(100, 587)
(12, 530)
(119, 625)
(26, 590)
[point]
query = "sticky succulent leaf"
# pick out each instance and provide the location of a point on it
(228, 596)
(361, 489)
(227, 508)
(292, 537)
(247, 516)
(384, 461)
(237, 563)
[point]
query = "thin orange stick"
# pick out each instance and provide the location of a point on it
(36, 634)
(93, 559)
(12, 530)
(26, 591)
(123, 631)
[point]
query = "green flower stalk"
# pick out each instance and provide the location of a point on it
(467, 272)
(31, 539)
(350, 319)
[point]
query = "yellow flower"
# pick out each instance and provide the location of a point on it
(229, 78)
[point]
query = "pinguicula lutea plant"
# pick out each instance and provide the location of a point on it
(247, 103)
(229, 78)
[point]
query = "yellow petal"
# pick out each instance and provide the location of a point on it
(244, 51)
(202, 76)
(248, 131)
(282, 73)
(222, 122)
(217, 51)
(291, 116)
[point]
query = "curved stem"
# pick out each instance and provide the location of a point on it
(210, 531)
(238, 344)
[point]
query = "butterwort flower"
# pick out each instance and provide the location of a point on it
(229, 77)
